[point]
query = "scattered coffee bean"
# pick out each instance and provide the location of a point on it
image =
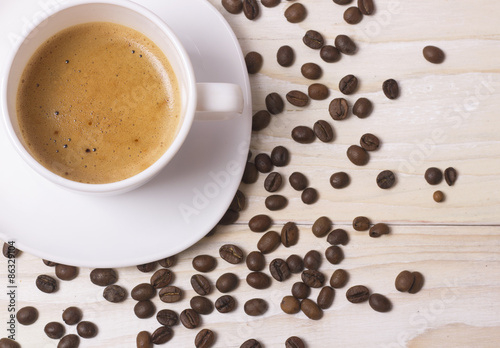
(380, 303)
(46, 262)
(311, 71)
(309, 196)
(404, 281)
(298, 181)
(357, 155)
(294, 342)
(297, 98)
(338, 109)
(279, 270)
(366, 7)
(274, 103)
(170, 294)
(260, 223)
(72, 315)
(143, 340)
(369, 142)
(114, 293)
(391, 89)
(269, 242)
(386, 179)
(238, 203)
(318, 91)
(345, 44)
(433, 176)
(167, 317)
(295, 263)
(86, 329)
(312, 278)
(251, 9)
(362, 108)
(65, 272)
(342, 2)
(258, 280)
(171, 260)
(295, 13)
(204, 263)
(69, 341)
(261, 120)
(353, 15)
(229, 217)
(255, 307)
(379, 229)
(329, 54)
(450, 176)
(251, 343)
(147, 267)
(311, 309)
(270, 3)
(204, 339)
(321, 226)
(418, 283)
(231, 253)
(285, 56)
(8, 343)
(334, 254)
(312, 260)
(253, 62)
(54, 330)
(189, 318)
(273, 182)
(201, 305)
(313, 39)
(438, 196)
(225, 304)
(300, 290)
(103, 276)
(339, 279)
(280, 156)
(46, 284)
(162, 335)
(290, 305)
(348, 84)
(263, 163)
(325, 297)
(233, 6)
(227, 282)
(201, 285)
(27, 315)
(144, 309)
(276, 202)
(256, 261)
(289, 234)
(357, 294)
(161, 278)
(303, 135)
(433, 54)
(361, 223)
(338, 237)
(339, 180)
(250, 174)
(323, 131)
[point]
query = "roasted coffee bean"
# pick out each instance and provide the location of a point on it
(161, 278)
(380, 303)
(54, 330)
(225, 304)
(269, 242)
(404, 281)
(114, 293)
(274, 103)
(433, 176)
(342, 2)
(295, 263)
(72, 315)
(362, 108)
(250, 173)
(433, 54)
(46, 284)
(171, 260)
(144, 309)
(233, 6)
(46, 262)
(227, 282)
(311, 71)
(297, 98)
(143, 291)
(323, 131)
(318, 91)
(143, 340)
(348, 84)
(303, 135)
(229, 217)
(103, 276)
(261, 120)
(251, 343)
(260, 223)
(273, 182)
(312, 278)
(438, 196)
(255, 307)
(285, 56)
(295, 13)
(369, 142)
(300, 290)
(345, 45)
(69, 341)
(357, 155)
(450, 176)
(312, 260)
(162, 335)
(256, 261)
(379, 229)
(147, 267)
(258, 280)
(251, 9)
(263, 163)
(391, 89)
(270, 3)
(201, 305)
(298, 181)
(418, 283)
(329, 54)
(253, 61)
(366, 7)
(204, 339)
(189, 318)
(276, 202)
(170, 294)
(386, 179)
(279, 270)
(361, 223)
(340, 180)
(204, 263)
(313, 39)
(27, 315)
(311, 309)
(325, 297)
(65, 272)
(231, 253)
(338, 237)
(357, 294)
(289, 234)
(167, 317)
(290, 305)
(86, 329)
(321, 226)
(309, 195)
(334, 254)
(10, 251)
(339, 279)
(338, 109)
(238, 203)
(353, 15)
(280, 156)
(8, 343)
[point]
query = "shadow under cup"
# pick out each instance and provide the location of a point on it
(114, 11)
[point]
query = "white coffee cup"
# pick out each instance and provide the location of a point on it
(199, 100)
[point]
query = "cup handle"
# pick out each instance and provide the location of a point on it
(218, 101)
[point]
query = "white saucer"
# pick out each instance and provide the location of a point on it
(165, 216)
